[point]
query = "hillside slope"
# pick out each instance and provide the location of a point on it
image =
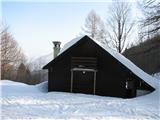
(146, 55)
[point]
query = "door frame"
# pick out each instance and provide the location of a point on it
(85, 70)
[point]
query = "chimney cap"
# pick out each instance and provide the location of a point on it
(56, 42)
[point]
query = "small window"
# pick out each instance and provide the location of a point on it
(129, 84)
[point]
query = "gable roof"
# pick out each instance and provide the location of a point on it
(127, 63)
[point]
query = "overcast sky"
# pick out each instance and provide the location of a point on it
(36, 24)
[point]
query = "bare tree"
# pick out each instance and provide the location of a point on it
(94, 27)
(23, 74)
(11, 54)
(151, 22)
(119, 25)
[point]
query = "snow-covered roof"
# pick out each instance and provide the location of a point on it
(136, 70)
(70, 43)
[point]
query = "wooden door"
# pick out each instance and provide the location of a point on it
(83, 82)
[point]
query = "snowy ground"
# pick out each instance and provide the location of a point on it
(157, 75)
(21, 101)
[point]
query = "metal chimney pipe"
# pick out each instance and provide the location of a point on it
(56, 48)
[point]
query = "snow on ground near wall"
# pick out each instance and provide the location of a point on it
(21, 101)
(157, 75)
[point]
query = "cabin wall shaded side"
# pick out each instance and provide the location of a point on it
(60, 76)
(111, 78)
(111, 75)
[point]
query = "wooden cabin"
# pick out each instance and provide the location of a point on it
(86, 66)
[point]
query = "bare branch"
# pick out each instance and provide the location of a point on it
(119, 25)
(11, 54)
(94, 27)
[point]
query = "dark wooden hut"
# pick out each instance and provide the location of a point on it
(86, 66)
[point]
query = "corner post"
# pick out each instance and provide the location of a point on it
(71, 90)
